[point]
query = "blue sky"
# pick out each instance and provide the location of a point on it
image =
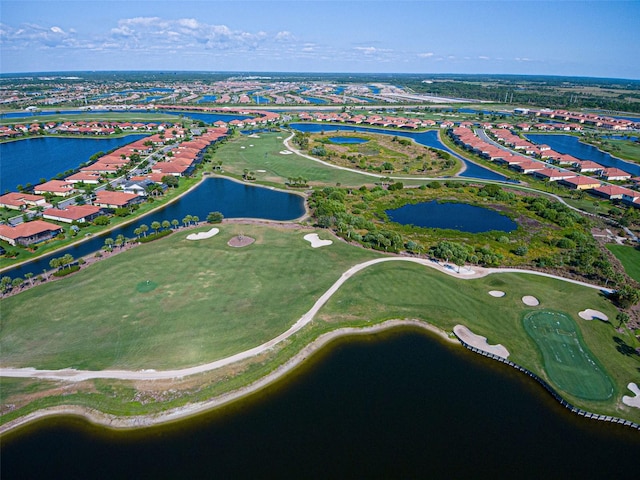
(585, 38)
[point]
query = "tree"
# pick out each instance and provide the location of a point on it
(137, 232)
(170, 181)
(17, 282)
(626, 296)
(54, 263)
(29, 277)
(156, 226)
(108, 244)
(120, 241)
(4, 283)
(195, 219)
(175, 223)
(186, 220)
(143, 229)
(622, 319)
(166, 224)
(215, 217)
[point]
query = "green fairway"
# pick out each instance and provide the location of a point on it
(209, 301)
(629, 257)
(262, 156)
(396, 290)
(568, 362)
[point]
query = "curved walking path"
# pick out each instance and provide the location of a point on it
(73, 375)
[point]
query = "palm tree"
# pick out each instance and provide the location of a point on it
(144, 229)
(137, 232)
(195, 219)
(186, 220)
(175, 223)
(54, 263)
(166, 224)
(155, 226)
(120, 241)
(29, 277)
(108, 244)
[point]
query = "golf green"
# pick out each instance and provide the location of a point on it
(568, 362)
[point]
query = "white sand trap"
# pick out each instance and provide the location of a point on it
(242, 148)
(253, 135)
(470, 338)
(315, 241)
(261, 171)
(531, 301)
(285, 152)
(632, 401)
(279, 138)
(589, 314)
(202, 235)
(496, 293)
(251, 145)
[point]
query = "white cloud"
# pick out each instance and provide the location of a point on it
(483, 57)
(426, 55)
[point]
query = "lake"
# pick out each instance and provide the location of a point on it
(395, 405)
(29, 160)
(452, 216)
(571, 145)
(428, 139)
(233, 199)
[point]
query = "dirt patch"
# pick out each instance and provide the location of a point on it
(240, 241)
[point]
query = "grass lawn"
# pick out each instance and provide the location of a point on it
(629, 257)
(238, 154)
(395, 290)
(211, 301)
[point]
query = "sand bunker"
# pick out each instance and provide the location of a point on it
(285, 152)
(261, 171)
(496, 293)
(589, 314)
(202, 235)
(470, 338)
(315, 240)
(531, 301)
(635, 400)
(240, 241)
(253, 135)
(242, 147)
(632, 401)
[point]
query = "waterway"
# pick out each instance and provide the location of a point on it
(428, 139)
(205, 117)
(29, 160)
(395, 405)
(571, 145)
(232, 199)
(452, 216)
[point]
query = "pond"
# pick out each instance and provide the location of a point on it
(452, 216)
(348, 140)
(397, 405)
(232, 199)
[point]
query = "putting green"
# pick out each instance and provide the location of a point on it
(568, 362)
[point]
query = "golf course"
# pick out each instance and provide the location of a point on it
(256, 298)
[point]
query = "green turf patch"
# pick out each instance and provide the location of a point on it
(146, 286)
(568, 362)
(629, 257)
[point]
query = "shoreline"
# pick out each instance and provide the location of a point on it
(116, 422)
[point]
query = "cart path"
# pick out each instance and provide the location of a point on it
(73, 375)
